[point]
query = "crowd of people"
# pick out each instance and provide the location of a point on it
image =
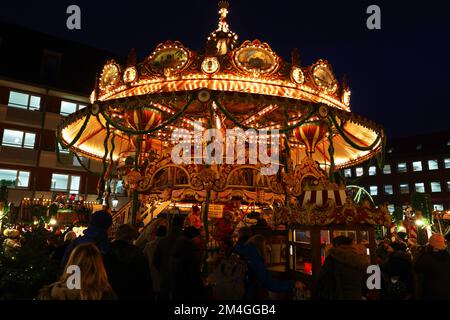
(170, 263)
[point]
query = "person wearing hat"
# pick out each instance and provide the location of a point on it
(126, 266)
(96, 233)
(432, 269)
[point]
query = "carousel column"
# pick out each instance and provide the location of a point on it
(135, 207)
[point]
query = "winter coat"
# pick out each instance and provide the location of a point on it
(433, 270)
(149, 252)
(59, 291)
(161, 261)
(259, 278)
(128, 271)
(185, 263)
(398, 277)
(94, 235)
(342, 274)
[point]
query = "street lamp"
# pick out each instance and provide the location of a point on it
(114, 202)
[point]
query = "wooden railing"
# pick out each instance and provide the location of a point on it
(121, 217)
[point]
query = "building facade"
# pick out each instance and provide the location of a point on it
(414, 164)
(42, 80)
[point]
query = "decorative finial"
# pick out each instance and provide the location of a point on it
(295, 58)
(223, 4)
(221, 41)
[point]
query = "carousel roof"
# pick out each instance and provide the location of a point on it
(251, 87)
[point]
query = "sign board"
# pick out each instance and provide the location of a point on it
(215, 211)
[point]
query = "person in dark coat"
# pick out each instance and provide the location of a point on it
(162, 255)
(127, 268)
(96, 233)
(185, 262)
(60, 250)
(398, 277)
(433, 270)
(343, 272)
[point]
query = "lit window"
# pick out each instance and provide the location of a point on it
(372, 171)
(438, 207)
(433, 165)
(436, 187)
(64, 182)
(348, 173)
(14, 178)
(420, 187)
(401, 167)
(24, 101)
(404, 188)
(417, 166)
(448, 186)
(387, 169)
(70, 107)
(20, 139)
(391, 208)
(388, 189)
(447, 163)
(359, 171)
(373, 190)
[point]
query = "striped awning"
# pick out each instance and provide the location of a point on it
(320, 197)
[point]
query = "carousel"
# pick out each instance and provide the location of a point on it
(301, 114)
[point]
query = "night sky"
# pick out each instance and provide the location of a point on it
(399, 75)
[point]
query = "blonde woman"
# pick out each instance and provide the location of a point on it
(94, 284)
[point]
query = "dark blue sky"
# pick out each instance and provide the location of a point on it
(399, 76)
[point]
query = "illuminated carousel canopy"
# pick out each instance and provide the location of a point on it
(136, 107)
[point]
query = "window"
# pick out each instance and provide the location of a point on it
(448, 186)
(373, 190)
(438, 207)
(388, 189)
(419, 147)
(387, 169)
(348, 173)
(70, 107)
(420, 187)
(65, 182)
(391, 208)
(447, 163)
(20, 139)
(401, 167)
(24, 101)
(404, 188)
(372, 171)
(14, 178)
(417, 166)
(359, 171)
(436, 186)
(433, 165)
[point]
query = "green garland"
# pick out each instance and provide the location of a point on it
(105, 167)
(161, 126)
(283, 130)
(77, 137)
(331, 153)
(348, 140)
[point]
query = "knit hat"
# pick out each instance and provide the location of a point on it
(101, 219)
(437, 241)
